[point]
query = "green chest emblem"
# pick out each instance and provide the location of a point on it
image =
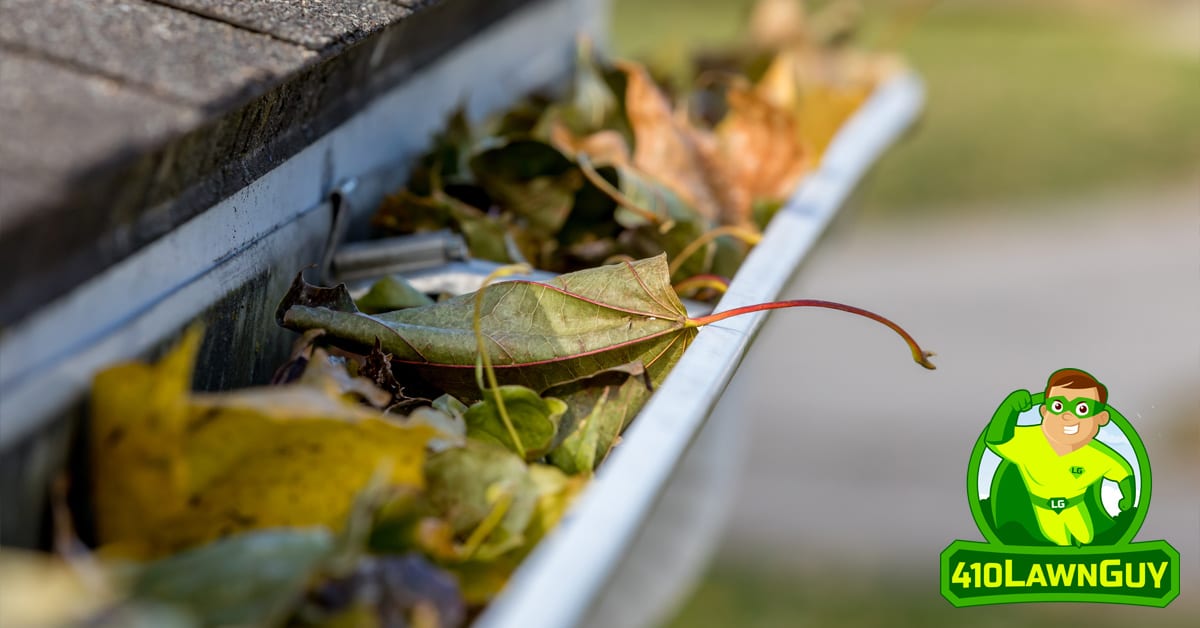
(1076, 471)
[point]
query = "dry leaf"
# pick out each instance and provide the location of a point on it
(603, 148)
(762, 146)
(669, 149)
(794, 82)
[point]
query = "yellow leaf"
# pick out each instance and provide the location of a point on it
(283, 456)
(556, 492)
(822, 88)
(41, 590)
(481, 580)
(138, 413)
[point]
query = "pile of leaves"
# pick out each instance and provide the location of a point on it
(412, 453)
(341, 496)
(621, 168)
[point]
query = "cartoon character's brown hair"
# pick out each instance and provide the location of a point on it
(1075, 379)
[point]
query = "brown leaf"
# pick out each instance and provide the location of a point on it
(762, 146)
(671, 150)
(302, 351)
(822, 89)
(378, 368)
(603, 148)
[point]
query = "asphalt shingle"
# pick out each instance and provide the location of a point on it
(169, 52)
(316, 24)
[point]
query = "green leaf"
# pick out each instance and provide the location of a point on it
(450, 406)
(726, 259)
(392, 293)
(592, 97)
(537, 333)
(531, 179)
(252, 578)
(600, 407)
(680, 224)
(535, 418)
(464, 485)
(653, 196)
(481, 579)
(406, 212)
(447, 160)
(655, 218)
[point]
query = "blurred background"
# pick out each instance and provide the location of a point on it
(1045, 213)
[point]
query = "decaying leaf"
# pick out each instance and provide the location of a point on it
(329, 375)
(481, 579)
(174, 469)
(656, 220)
(672, 151)
(761, 143)
(530, 179)
(377, 368)
(538, 334)
(592, 97)
(406, 521)
(468, 484)
(822, 89)
(302, 350)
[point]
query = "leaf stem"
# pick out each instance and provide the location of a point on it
(589, 172)
(698, 282)
(488, 524)
(485, 360)
(749, 236)
(919, 355)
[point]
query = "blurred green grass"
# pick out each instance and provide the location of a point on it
(1025, 101)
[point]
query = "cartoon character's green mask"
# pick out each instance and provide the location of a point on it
(1081, 407)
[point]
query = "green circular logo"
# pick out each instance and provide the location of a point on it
(1015, 524)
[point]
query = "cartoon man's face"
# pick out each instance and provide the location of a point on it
(1062, 422)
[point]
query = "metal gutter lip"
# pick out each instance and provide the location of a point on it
(561, 580)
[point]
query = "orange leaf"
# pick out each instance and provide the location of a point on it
(603, 148)
(684, 159)
(762, 146)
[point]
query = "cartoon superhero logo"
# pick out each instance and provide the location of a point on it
(1059, 483)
